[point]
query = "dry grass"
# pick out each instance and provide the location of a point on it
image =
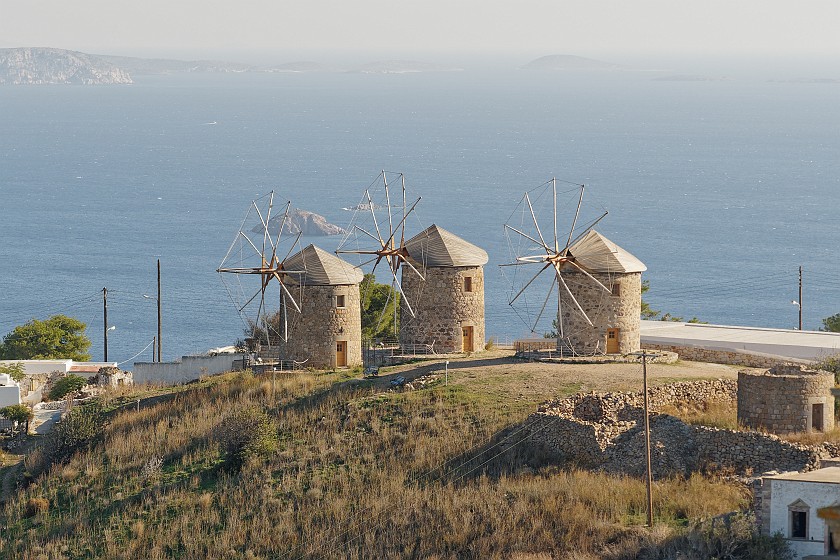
(814, 438)
(358, 475)
(716, 414)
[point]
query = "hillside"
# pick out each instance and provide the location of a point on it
(347, 468)
(31, 66)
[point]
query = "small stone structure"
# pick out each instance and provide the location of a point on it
(606, 431)
(615, 313)
(328, 331)
(113, 377)
(449, 303)
(786, 399)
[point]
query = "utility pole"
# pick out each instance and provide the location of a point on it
(159, 314)
(649, 478)
(105, 320)
(800, 298)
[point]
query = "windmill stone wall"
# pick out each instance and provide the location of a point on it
(443, 308)
(314, 333)
(782, 399)
(327, 292)
(605, 310)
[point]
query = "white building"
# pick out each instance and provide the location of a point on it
(85, 369)
(789, 504)
(9, 391)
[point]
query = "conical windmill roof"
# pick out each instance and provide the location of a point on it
(436, 247)
(321, 268)
(596, 253)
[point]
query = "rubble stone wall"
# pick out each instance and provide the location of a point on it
(606, 431)
(605, 310)
(442, 307)
(719, 355)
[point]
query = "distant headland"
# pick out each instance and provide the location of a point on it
(41, 65)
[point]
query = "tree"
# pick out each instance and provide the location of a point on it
(59, 337)
(68, 384)
(19, 413)
(378, 318)
(15, 371)
(831, 324)
(651, 314)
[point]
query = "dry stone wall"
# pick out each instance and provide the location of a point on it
(443, 307)
(313, 334)
(786, 399)
(719, 356)
(603, 309)
(605, 431)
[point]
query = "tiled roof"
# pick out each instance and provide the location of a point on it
(596, 253)
(437, 247)
(320, 268)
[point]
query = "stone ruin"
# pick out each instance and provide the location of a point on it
(606, 432)
(113, 377)
(786, 399)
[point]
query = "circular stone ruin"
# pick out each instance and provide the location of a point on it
(786, 399)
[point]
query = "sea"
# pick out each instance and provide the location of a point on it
(722, 183)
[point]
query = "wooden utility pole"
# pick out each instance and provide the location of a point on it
(158, 310)
(105, 320)
(800, 298)
(649, 478)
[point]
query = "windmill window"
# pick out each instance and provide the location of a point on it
(798, 513)
(615, 288)
(339, 301)
(468, 287)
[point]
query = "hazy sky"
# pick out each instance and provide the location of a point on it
(585, 27)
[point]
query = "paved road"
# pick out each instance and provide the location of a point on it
(44, 420)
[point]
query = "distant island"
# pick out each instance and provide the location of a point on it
(568, 62)
(158, 66)
(403, 67)
(304, 222)
(41, 65)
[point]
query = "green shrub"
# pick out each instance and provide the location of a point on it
(34, 506)
(14, 370)
(77, 429)
(19, 413)
(68, 384)
(246, 434)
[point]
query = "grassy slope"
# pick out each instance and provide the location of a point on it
(361, 473)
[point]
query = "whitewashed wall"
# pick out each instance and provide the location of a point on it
(816, 495)
(188, 368)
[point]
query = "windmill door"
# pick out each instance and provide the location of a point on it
(467, 335)
(341, 353)
(612, 341)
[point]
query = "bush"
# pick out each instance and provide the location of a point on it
(246, 434)
(68, 384)
(19, 413)
(34, 506)
(732, 536)
(15, 371)
(77, 429)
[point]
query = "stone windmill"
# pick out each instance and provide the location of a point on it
(328, 331)
(449, 302)
(596, 282)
